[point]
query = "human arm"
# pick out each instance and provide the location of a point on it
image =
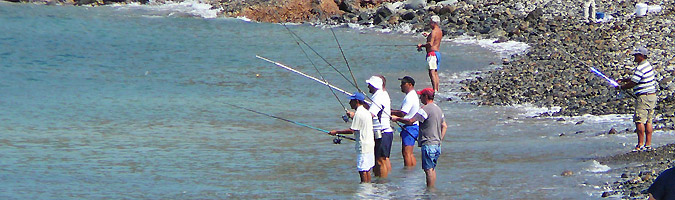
(651, 197)
(444, 128)
(398, 113)
(626, 83)
(410, 121)
(343, 132)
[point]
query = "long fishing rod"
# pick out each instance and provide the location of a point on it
(324, 59)
(322, 82)
(598, 73)
(291, 121)
(392, 45)
(381, 107)
(347, 62)
(344, 117)
(305, 75)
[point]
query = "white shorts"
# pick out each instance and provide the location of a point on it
(365, 161)
(432, 62)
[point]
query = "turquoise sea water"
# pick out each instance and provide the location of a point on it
(119, 103)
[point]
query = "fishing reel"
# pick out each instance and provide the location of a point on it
(337, 140)
(345, 118)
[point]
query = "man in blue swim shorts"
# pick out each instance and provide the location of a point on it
(409, 107)
(433, 47)
(432, 132)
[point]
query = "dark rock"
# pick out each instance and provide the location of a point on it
(535, 15)
(612, 131)
(350, 6)
(579, 122)
(408, 15)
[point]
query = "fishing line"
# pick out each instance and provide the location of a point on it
(345, 58)
(344, 117)
(291, 121)
(317, 53)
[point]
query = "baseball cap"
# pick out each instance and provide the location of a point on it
(436, 19)
(640, 50)
(407, 79)
(426, 91)
(375, 81)
(358, 96)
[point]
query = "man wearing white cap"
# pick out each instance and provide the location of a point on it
(644, 85)
(433, 46)
(384, 134)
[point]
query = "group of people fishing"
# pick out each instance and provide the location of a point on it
(424, 124)
(374, 135)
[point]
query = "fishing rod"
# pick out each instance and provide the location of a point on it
(322, 58)
(336, 140)
(345, 58)
(598, 73)
(323, 82)
(392, 45)
(305, 75)
(344, 117)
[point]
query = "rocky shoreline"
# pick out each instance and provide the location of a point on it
(553, 73)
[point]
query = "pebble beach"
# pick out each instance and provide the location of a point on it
(554, 72)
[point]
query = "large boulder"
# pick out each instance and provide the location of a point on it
(350, 6)
(415, 4)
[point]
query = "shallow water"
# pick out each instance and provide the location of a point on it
(128, 102)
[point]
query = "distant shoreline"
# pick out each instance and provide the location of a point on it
(546, 76)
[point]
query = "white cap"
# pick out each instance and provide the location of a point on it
(436, 19)
(640, 50)
(375, 81)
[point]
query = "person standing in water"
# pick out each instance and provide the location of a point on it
(432, 132)
(433, 47)
(362, 128)
(409, 107)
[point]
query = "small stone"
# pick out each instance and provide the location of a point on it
(561, 119)
(624, 175)
(567, 173)
(580, 122)
(612, 131)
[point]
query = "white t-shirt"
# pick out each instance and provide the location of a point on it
(381, 101)
(363, 131)
(410, 105)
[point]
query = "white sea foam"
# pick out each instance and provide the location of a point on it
(193, 8)
(596, 167)
(529, 110)
(504, 49)
(242, 18)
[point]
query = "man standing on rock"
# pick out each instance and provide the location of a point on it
(409, 107)
(644, 85)
(433, 46)
(432, 132)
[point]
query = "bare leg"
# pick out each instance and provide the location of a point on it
(648, 134)
(640, 133)
(381, 167)
(433, 75)
(377, 168)
(388, 165)
(408, 156)
(365, 176)
(431, 177)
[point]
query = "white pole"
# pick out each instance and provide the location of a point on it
(305, 75)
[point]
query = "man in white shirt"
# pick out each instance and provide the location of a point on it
(409, 133)
(384, 134)
(362, 128)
